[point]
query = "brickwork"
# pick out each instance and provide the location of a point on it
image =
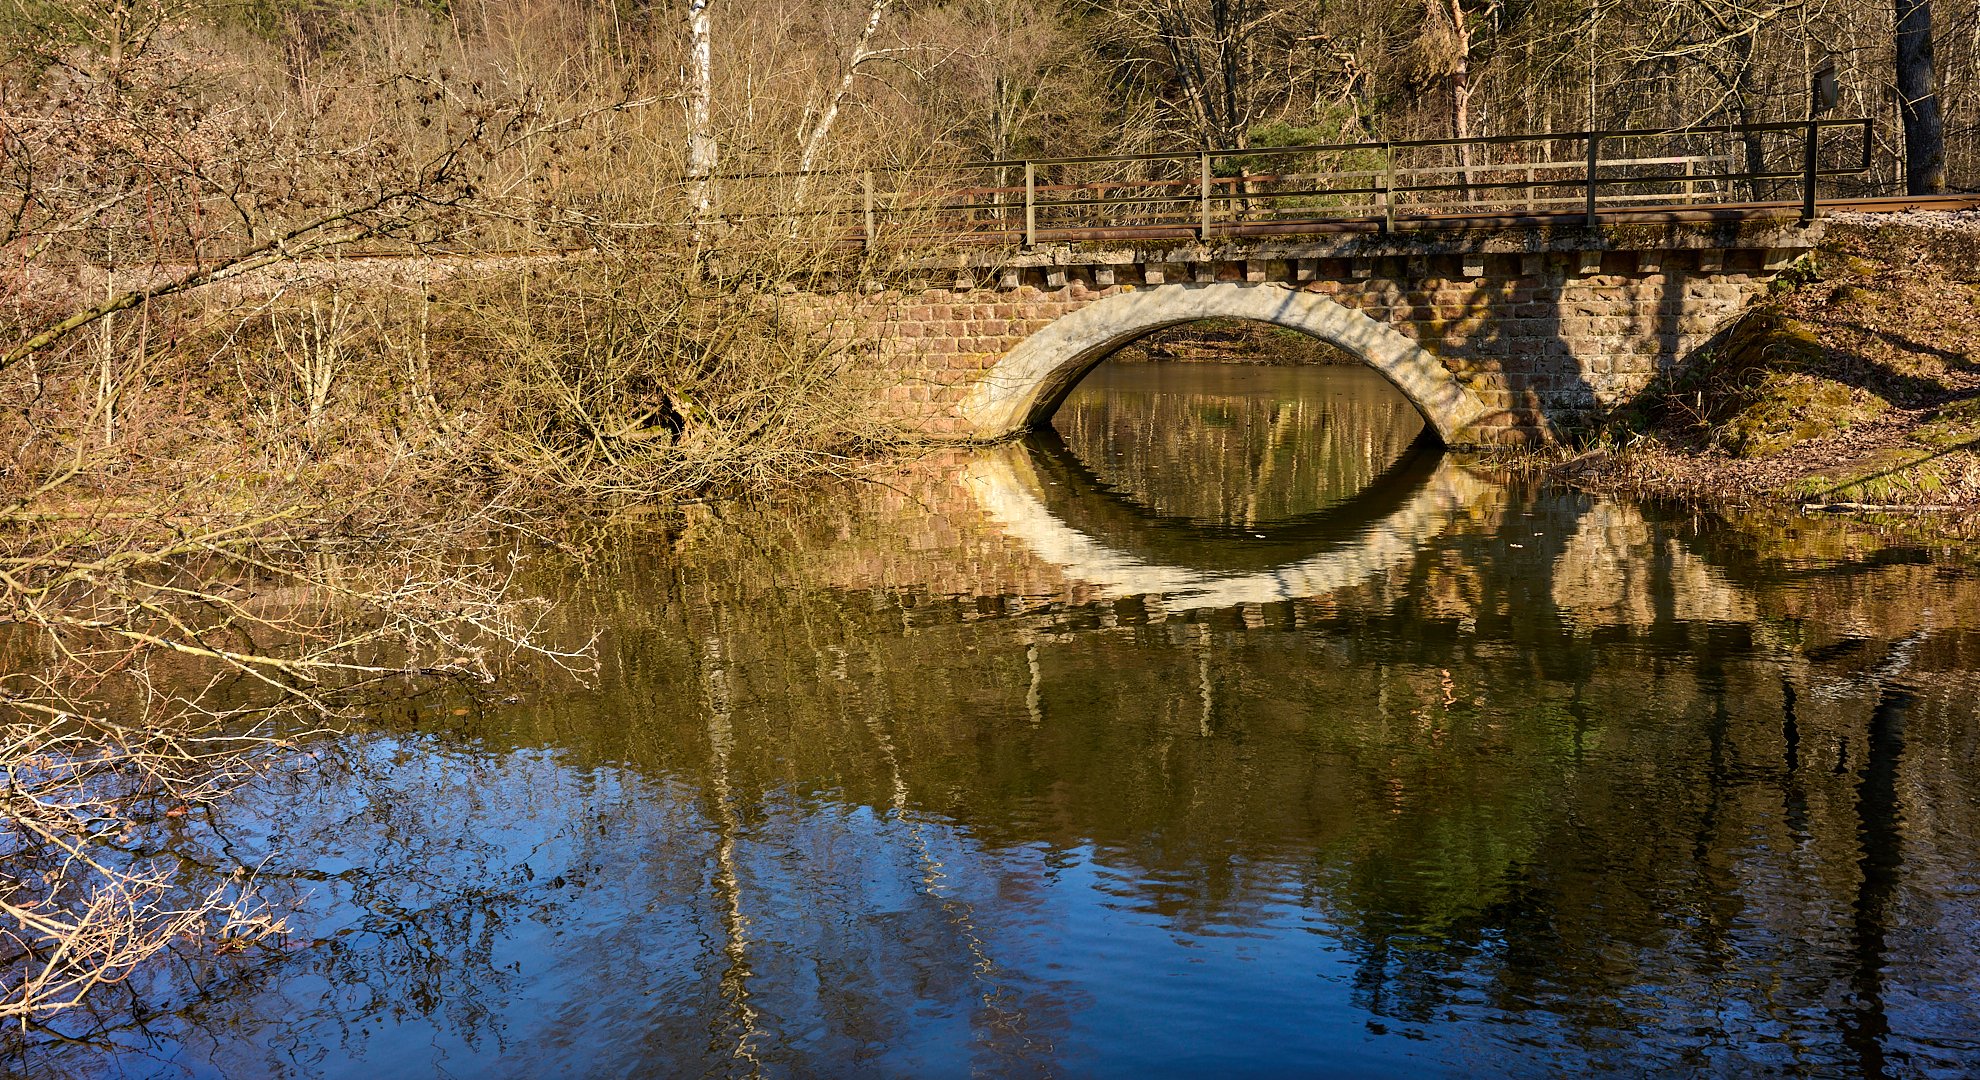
(1541, 338)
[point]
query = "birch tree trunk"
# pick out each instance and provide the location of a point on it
(814, 140)
(701, 149)
(1461, 93)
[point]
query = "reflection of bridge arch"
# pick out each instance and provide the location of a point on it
(1006, 484)
(1027, 385)
(1089, 505)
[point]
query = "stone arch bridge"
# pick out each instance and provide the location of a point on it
(1499, 337)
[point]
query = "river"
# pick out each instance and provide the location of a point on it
(1232, 728)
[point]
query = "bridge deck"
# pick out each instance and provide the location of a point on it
(1676, 213)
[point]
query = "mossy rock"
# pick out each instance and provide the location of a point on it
(1766, 377)
(1766, 340)
(1846, 294)
(1788, 407)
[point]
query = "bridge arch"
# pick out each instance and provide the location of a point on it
(1026, 386)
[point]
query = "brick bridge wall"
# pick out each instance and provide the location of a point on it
(1544, 328)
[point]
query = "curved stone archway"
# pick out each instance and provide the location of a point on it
(1027, 385)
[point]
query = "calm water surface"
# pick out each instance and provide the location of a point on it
(1230, 729)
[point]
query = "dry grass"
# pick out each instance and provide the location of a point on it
(249, 489)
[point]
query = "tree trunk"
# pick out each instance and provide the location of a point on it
(1746, 99)
(1755, 148)
(1918, 98)
(814, 140)
(1461, 94)
(701, 150)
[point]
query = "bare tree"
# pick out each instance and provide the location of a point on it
(820, 117)
(1014, 77)
(702, 151)
(1918, 99)
(1214, 62)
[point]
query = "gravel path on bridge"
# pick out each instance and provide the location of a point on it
(1956, 221)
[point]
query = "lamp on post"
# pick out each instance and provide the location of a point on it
(1825, 89)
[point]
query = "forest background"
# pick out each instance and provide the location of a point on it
(252, 483)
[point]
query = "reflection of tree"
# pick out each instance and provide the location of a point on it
(1504, 792)
(1867, 1027)
(1233, 444)
(733, 1034)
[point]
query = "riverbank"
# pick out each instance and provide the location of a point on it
(1854, 387)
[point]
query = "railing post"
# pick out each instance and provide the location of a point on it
(1529, 189)
(1809, 144)
(1690, 186)
(1388, 188)
(1594, 154)
(1030, 205)
(866, 184)
(1203, 197)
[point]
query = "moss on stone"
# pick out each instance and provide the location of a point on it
(1763, 389)
(1786, 408)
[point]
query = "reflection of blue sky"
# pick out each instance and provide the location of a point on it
(483, 913)
(1197, 846)
(476, 915)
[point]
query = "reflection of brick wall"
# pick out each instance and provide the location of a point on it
(919, 529)
(1535, 335)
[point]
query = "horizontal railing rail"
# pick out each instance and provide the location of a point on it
(1495, 180)
(1213, 192)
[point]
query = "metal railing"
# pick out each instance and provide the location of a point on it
(1426, 183)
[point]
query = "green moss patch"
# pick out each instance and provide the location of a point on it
(1894, 476)
(1956, 425)
(1765, 389)
(1785, 408)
